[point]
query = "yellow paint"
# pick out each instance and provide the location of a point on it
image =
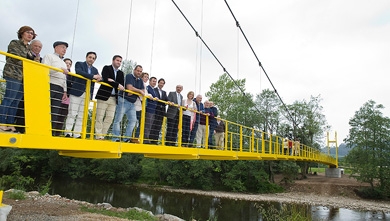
(1, 198)
(241, 142)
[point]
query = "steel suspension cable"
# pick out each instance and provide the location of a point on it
(154, 26)
(212, 53)
(128, 30)
(74, 29)
(254, 53)
(204, 43)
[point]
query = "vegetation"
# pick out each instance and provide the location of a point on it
(263, 111)
(16, 195)
(288, 212)
(369, 138)
(131, 214)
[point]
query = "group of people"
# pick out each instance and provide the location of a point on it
(291, 147)
(114, 101)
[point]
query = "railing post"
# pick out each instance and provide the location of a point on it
(226, 135)
(270, 144)
(252, 147)
(231, 141)
(142, 120)
(180, 131)
(241, 138)
(85, 113)
(206, 139)
(262, 143)
(163, 130)
(93, 120)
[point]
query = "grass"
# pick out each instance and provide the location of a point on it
(131, 214)
(45, 187)
(288, 212)
(16, 195)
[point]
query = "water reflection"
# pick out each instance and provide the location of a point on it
(190, 206)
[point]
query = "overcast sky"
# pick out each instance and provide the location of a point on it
(337, 49)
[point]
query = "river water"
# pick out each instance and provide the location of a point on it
(191, 206)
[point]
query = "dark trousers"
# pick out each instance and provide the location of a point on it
(211, 133)
(172, 130)
(157, 123)
(19, 117)
(185, 130)
(193, 132)
(56, 93)
(64, 109)
(138, 114)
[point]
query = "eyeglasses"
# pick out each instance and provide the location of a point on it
(30, 32)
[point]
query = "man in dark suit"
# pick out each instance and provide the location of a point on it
(107, 97)
(173, 115)
(159, 112)
(77, 94)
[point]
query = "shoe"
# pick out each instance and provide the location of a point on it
(7, 129)
(79, 137)
(12, 129)
(134, 140)
(68, 135)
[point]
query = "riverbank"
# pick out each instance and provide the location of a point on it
(316, 190)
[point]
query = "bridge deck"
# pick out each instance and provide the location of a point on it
(241, 143)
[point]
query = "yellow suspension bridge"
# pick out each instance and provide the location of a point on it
(241, 142)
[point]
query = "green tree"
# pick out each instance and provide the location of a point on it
(369, 138)
(128, 66)
(268, 119)
(233, 104)
(269, 115)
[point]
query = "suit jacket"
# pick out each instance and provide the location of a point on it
(160, 108)
(78, 86)
(104, 91)
(172, 110)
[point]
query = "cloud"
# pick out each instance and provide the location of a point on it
(338, 49)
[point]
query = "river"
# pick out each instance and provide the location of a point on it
(191, 206)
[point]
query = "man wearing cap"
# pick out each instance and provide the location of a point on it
(77, 94)
(57, 80)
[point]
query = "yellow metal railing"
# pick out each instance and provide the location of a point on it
(1, 198)
(241, 142)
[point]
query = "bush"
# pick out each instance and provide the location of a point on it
(16, 195)
(370, 193)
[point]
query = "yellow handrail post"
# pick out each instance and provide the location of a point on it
(270, 144)
(226, 135)
(93, 120)
(163, 130)
(85, 113)
(180, 125)
(142, 120)
(1, 198)
(206, 139)
(262, 143)
(252, 148)
(241, 140)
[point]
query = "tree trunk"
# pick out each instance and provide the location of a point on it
(271, 176)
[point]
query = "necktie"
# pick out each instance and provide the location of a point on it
(178, 99)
